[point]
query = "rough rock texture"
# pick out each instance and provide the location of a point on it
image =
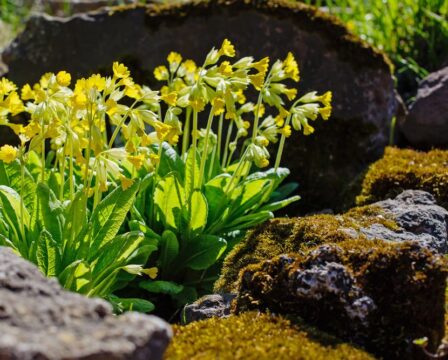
(402, 169)
(330, 58)
(378, 294)
(40, 320)
(64, 7)
(215, 305)
(255, 336)
(426, 125)
(411, 216)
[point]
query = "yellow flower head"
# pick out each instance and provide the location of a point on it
(190, 66)
(260, 110)
(45, 80)
(290, 94)
(27, 92)
(79, 100)
(125, 182)
(257, 80)
(262, 65)
(6, 86)
(170, 98)
(120, 70)
(291, 67)
(161, 73)
(197, 104)
(240, 97)
(263, 163)
(8, 153)
(225, 68)
(246, 124)
(279, 121)
(218, 105)
(14, 104)
(174, 58)
(96, 81)
(136, 160)
(326, 98)
(151, 272)
(227, 49)
(63, 78)
(325, 112)
(154, 158)
(286, 131)
(307, 129)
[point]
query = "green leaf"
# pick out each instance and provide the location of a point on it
(48, 254)
(11, 206)
(280, 204)
(204, 251)
(161, 287)
(76, 277)
(169, 200)
(248, 221)
(131, 304)
(51, 212)
(283, 191)
(169, 249)
(217, 199)
(198, 212)
(191, 176)
(108, 217)
(169, 161)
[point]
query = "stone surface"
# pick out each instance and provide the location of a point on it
(40, 320)
(330, 58)
(411, 216)
(215, 305)
(426, 125)
(379, 295)
(419, 217)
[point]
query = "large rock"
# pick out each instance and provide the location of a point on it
(208, 306)
(426, 125)
(380, 295)
(326, 164)
(412, 216)
(39, 320)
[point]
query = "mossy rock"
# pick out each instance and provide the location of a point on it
(253, 336)
(329, 56)
(293, 235)
(402, 169)
(380, 295)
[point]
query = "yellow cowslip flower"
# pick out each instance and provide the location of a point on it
(290, 94)
(32, 129)
(279, 121)
(218, 104)
(161, 73)
(79, 100)
(240, 97)
(8, 153)
(230, 115)
(263, 163)
(170, 98)
(326, 98)
(63, 78)
(151, 272)
(136, 160)
(286, 131)
(307, 129)
(197, 104)
(154, 158)
(6, 86)
(260, 110)
(14, 104)
(325, 112)
(164, 90)
(133, 91)
(111, 106)
(246, 124)
(103, 186)
(145, 140)
(120, 70)
(96, 81)
(262, 65)
(27, 92)
(227, 49)
(291, 67)
(125, 182)
(174, 58)
(45, 80)
(17, 128)
(190, 66)
(257, 80)
(225, 68)
(130, 146)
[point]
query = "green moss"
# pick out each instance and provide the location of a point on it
(402, 169)
(405, 282)
(284, 235)
(253, 336)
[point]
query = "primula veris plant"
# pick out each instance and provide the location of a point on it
(115, 185)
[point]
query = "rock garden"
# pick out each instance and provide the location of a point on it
(223, 179)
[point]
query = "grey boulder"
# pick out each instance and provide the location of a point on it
(40, 320)
(208, 306)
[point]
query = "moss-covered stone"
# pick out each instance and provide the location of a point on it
(402, 169)
(284, 235)
(253, 336)
(380, 295)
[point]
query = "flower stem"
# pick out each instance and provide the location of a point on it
(220, 123)
(186, 136)
(226, 147)
(281, 146)
(204, 151)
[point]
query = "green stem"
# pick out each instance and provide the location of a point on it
(186, 135)
(226, 147)
(204, 151)
(22, 181)
(281, 146)
(194, 147)
(118, 127)
(220, 124)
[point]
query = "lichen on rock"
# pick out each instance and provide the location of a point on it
(402, 169)
(255, 336)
